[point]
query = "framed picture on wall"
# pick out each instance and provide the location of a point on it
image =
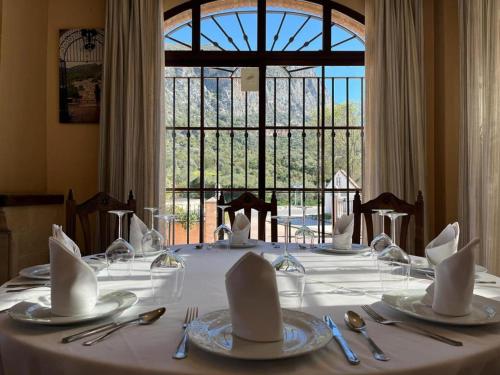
(81, 53)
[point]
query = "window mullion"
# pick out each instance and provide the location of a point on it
(327, 26)
(202, 155)
(196, 26)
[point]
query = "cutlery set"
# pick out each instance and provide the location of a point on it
(143, 319)
(356, 323)
(381, 320)
(351, 357)
(182, 348)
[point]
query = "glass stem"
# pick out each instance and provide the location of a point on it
(120, 226)
(393, 230)
(286, 237)
(169, 238)
(152, 219)
(303, 223)
(167, 235)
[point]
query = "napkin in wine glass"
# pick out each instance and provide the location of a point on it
(444, 245)
(342, 232)
(253, 299)
(73, 283)
(240, 229)
(137, 231)
(453, 286)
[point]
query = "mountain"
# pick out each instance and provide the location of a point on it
(84, 71)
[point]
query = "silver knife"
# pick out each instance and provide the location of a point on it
(337, 335)
(102, 328)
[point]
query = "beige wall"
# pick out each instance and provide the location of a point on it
(22, 96)
(37, 154)
(72, 149)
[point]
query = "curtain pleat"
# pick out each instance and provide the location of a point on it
(132, 102)
(395, 110)
(479, 175)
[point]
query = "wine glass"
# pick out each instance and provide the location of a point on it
(290, 273)
(382, 240)
(394, 216)
(120, 254)
(304, 236)
(151, 243)
(394, 264)
(167, 270)
(222, 234)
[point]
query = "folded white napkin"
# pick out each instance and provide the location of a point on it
(240, 229)
(73, 282)
(59, 234)
(137, 231)
(444, 245)
(342, 232)
(451, 292)
(253, 299)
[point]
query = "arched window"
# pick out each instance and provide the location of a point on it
(263, 96)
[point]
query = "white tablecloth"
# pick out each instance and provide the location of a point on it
(334, 284)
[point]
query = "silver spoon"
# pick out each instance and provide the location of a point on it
(144, 319)
(356, 323)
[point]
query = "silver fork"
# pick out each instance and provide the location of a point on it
(182, 349)
(381, 320)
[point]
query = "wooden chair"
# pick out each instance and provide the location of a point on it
(99, 204)
(390, 201)
(246, 202)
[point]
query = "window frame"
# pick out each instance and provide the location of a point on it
(261, 58)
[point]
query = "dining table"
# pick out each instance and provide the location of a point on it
(334, 284)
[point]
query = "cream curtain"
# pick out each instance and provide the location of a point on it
(131, 137)
(479, 178)
(395, 117)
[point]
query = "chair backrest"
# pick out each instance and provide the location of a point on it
(246, 202)
(390, 201)
(99, 204)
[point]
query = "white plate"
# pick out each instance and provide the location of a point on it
(303, 333)
(484, 310)
(36, 312)
(42, 271)
(251, 243)
(420, 264)
(355, 248)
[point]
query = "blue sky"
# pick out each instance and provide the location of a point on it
(290, 25)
